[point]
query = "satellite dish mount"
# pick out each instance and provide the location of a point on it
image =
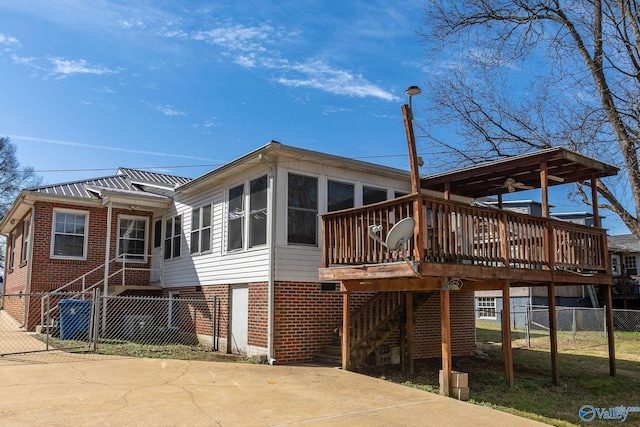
(398, 236)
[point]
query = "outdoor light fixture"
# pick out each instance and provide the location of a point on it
(411, 92)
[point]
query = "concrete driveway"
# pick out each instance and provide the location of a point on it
(107, 391)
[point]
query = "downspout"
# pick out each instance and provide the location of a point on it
(27, 288)
(106, 267)
(273, 171)
(4, 277)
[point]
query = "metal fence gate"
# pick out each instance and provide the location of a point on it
(52, 322)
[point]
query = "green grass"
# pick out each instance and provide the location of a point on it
(583, 369)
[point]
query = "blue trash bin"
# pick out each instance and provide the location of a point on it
(74, 319)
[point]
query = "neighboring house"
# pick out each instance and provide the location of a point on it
(488, 304)
(247, 232)
(625, 257)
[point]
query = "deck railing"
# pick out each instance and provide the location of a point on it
(453, 232)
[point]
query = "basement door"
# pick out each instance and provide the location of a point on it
(156, 253)
(239, 319)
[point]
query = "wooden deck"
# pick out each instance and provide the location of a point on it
(482, 246)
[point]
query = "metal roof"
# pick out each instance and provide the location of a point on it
(124, 180)
(564, 166)
(623, 243)
(152, 177)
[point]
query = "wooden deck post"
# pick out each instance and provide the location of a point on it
(610, 332)
(594, 201)
(551, 296)
(346, 332)
(544, 184)
(414, 164)
(445, 321)
(506, 334)
(409, 331)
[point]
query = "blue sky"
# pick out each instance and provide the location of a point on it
(90, 86)
(97, 85)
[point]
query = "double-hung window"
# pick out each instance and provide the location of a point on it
(254, 215)
(630, 265)
(235, 223)
(132, 238)
(12, 254)
(26, 239)
(258, 213)
(172, 236)
(69, 238)
(201, 230)
(302, 212)
(486, 308)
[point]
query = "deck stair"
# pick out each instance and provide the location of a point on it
(371, 325)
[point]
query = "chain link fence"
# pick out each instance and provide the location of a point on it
(33, 324)
(577, 327)
(159, 321)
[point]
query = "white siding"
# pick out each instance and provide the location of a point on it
(300, 262)
(292, 262)
(218, 266)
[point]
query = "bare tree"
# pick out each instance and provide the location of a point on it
(13, 178)
(512, 76)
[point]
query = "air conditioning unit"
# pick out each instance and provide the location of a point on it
(139, 327)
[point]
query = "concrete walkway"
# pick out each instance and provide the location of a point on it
(155, 392)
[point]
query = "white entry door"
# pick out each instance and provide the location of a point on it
(156, 253)
(239, 319)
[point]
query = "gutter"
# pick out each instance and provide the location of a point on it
(27, 288)
(273, 172)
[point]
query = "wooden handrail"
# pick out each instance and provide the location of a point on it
(375, 312)
(454, 232)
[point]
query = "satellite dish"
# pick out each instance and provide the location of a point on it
(400, 234)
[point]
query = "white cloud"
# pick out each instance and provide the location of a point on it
(167, 110)
(66, 67)
(237, 37)
(8, 40)
(319, 75)
(127, 23)
(106, 148)
(249, 48)
(23, 60)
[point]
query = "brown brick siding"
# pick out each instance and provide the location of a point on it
(48, 274)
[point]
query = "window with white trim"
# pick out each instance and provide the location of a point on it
(157, 233)
(372, 195)
(614, 266)
(340, 195)
(26, 240)
(258, 211)
(174, 310)
(630, 262)
(12, 254)
(172, 236)
(132, 238)
(302, 212)
(69, 235)
(201, 230)
(486, 308)
(235, 218)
